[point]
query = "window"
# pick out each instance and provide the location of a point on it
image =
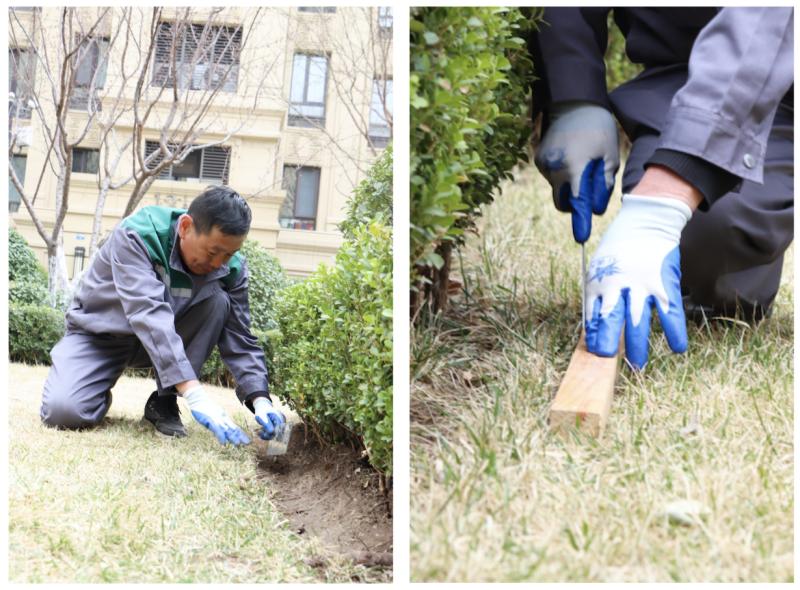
(208, 165)
(85, 160)
(385, 21)
(20, 80)
(302, 192)
(206, 58)
(14, 198)
(317, 9)
(307, 95)
(380, 115)
(89, 56)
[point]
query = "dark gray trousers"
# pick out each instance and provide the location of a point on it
(733, 254)
(77, 392)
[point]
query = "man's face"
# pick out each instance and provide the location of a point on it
(203, 254)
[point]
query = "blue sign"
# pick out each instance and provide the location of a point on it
(80, 236)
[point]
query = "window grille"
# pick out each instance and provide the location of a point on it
(211, 165)
(206, 58)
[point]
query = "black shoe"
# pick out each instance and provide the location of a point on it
(162, 412)
(707, 313)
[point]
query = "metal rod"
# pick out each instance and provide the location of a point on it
(583, 281)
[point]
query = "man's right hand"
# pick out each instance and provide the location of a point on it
(213, 417)
(579, 157)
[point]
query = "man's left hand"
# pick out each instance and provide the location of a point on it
(269, 418)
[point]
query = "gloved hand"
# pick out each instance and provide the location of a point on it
(268, 417)
(637, 266)
(213, 417)
(579, 157)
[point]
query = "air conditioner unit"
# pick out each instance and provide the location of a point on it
(25, 136)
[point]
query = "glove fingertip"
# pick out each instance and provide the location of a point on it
(601, 192)
(562, 196)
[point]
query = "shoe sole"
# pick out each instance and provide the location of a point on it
(145, 420)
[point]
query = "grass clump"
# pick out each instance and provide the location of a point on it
(494, 497)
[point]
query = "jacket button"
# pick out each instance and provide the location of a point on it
(749, 161)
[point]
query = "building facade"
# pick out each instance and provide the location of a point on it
(302, 110)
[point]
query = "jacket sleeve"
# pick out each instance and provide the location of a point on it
(239, 347)
(740, 67)
(568, 54)
(141, 293)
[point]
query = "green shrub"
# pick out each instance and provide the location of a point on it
(266, 278)
(619, 68)
(27, 278)
(469, 90)
(334, 359)
(33, 331)
(373, 197)
(215, 372)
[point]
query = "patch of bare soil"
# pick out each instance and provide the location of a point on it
(331, 493)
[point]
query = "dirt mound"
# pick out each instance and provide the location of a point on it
(331, 493)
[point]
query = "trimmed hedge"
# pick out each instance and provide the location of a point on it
(215, 372)
(470, 86)
(27, 278)
(266, 278)
(334, 361)
(33, 331)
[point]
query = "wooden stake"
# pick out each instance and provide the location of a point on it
(584, 398)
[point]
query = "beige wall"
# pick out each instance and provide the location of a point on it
(259, 150)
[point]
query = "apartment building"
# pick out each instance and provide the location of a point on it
(296, 103)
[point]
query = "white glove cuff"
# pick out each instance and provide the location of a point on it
(195, 395)
(654, 215)
(262, 403)
(581, 115)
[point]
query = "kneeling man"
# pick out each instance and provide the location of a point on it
(164, 290)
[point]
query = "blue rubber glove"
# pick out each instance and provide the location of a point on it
(213, 417)
(637, 266)
(579, 157)
(269, 418)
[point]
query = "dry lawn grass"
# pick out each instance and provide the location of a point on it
(494, 497)
(118, 503)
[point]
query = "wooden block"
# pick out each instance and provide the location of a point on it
(586, 392)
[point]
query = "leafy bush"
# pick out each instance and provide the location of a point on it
(334, 359)
(215, 372)
(27, 278)
(469, 91)
(33, 331)
(266, 278)
(373, 197)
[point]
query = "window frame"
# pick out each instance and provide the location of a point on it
(380, 141)
(384, 29)
(300, 120)
(81, 103)
(84, 152)
(14, 81)
(317, 9)
(21, 175)
(297, 169)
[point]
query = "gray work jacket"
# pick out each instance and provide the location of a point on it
(723, 71)
(123, 294)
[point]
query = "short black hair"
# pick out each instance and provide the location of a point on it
(223, 207)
